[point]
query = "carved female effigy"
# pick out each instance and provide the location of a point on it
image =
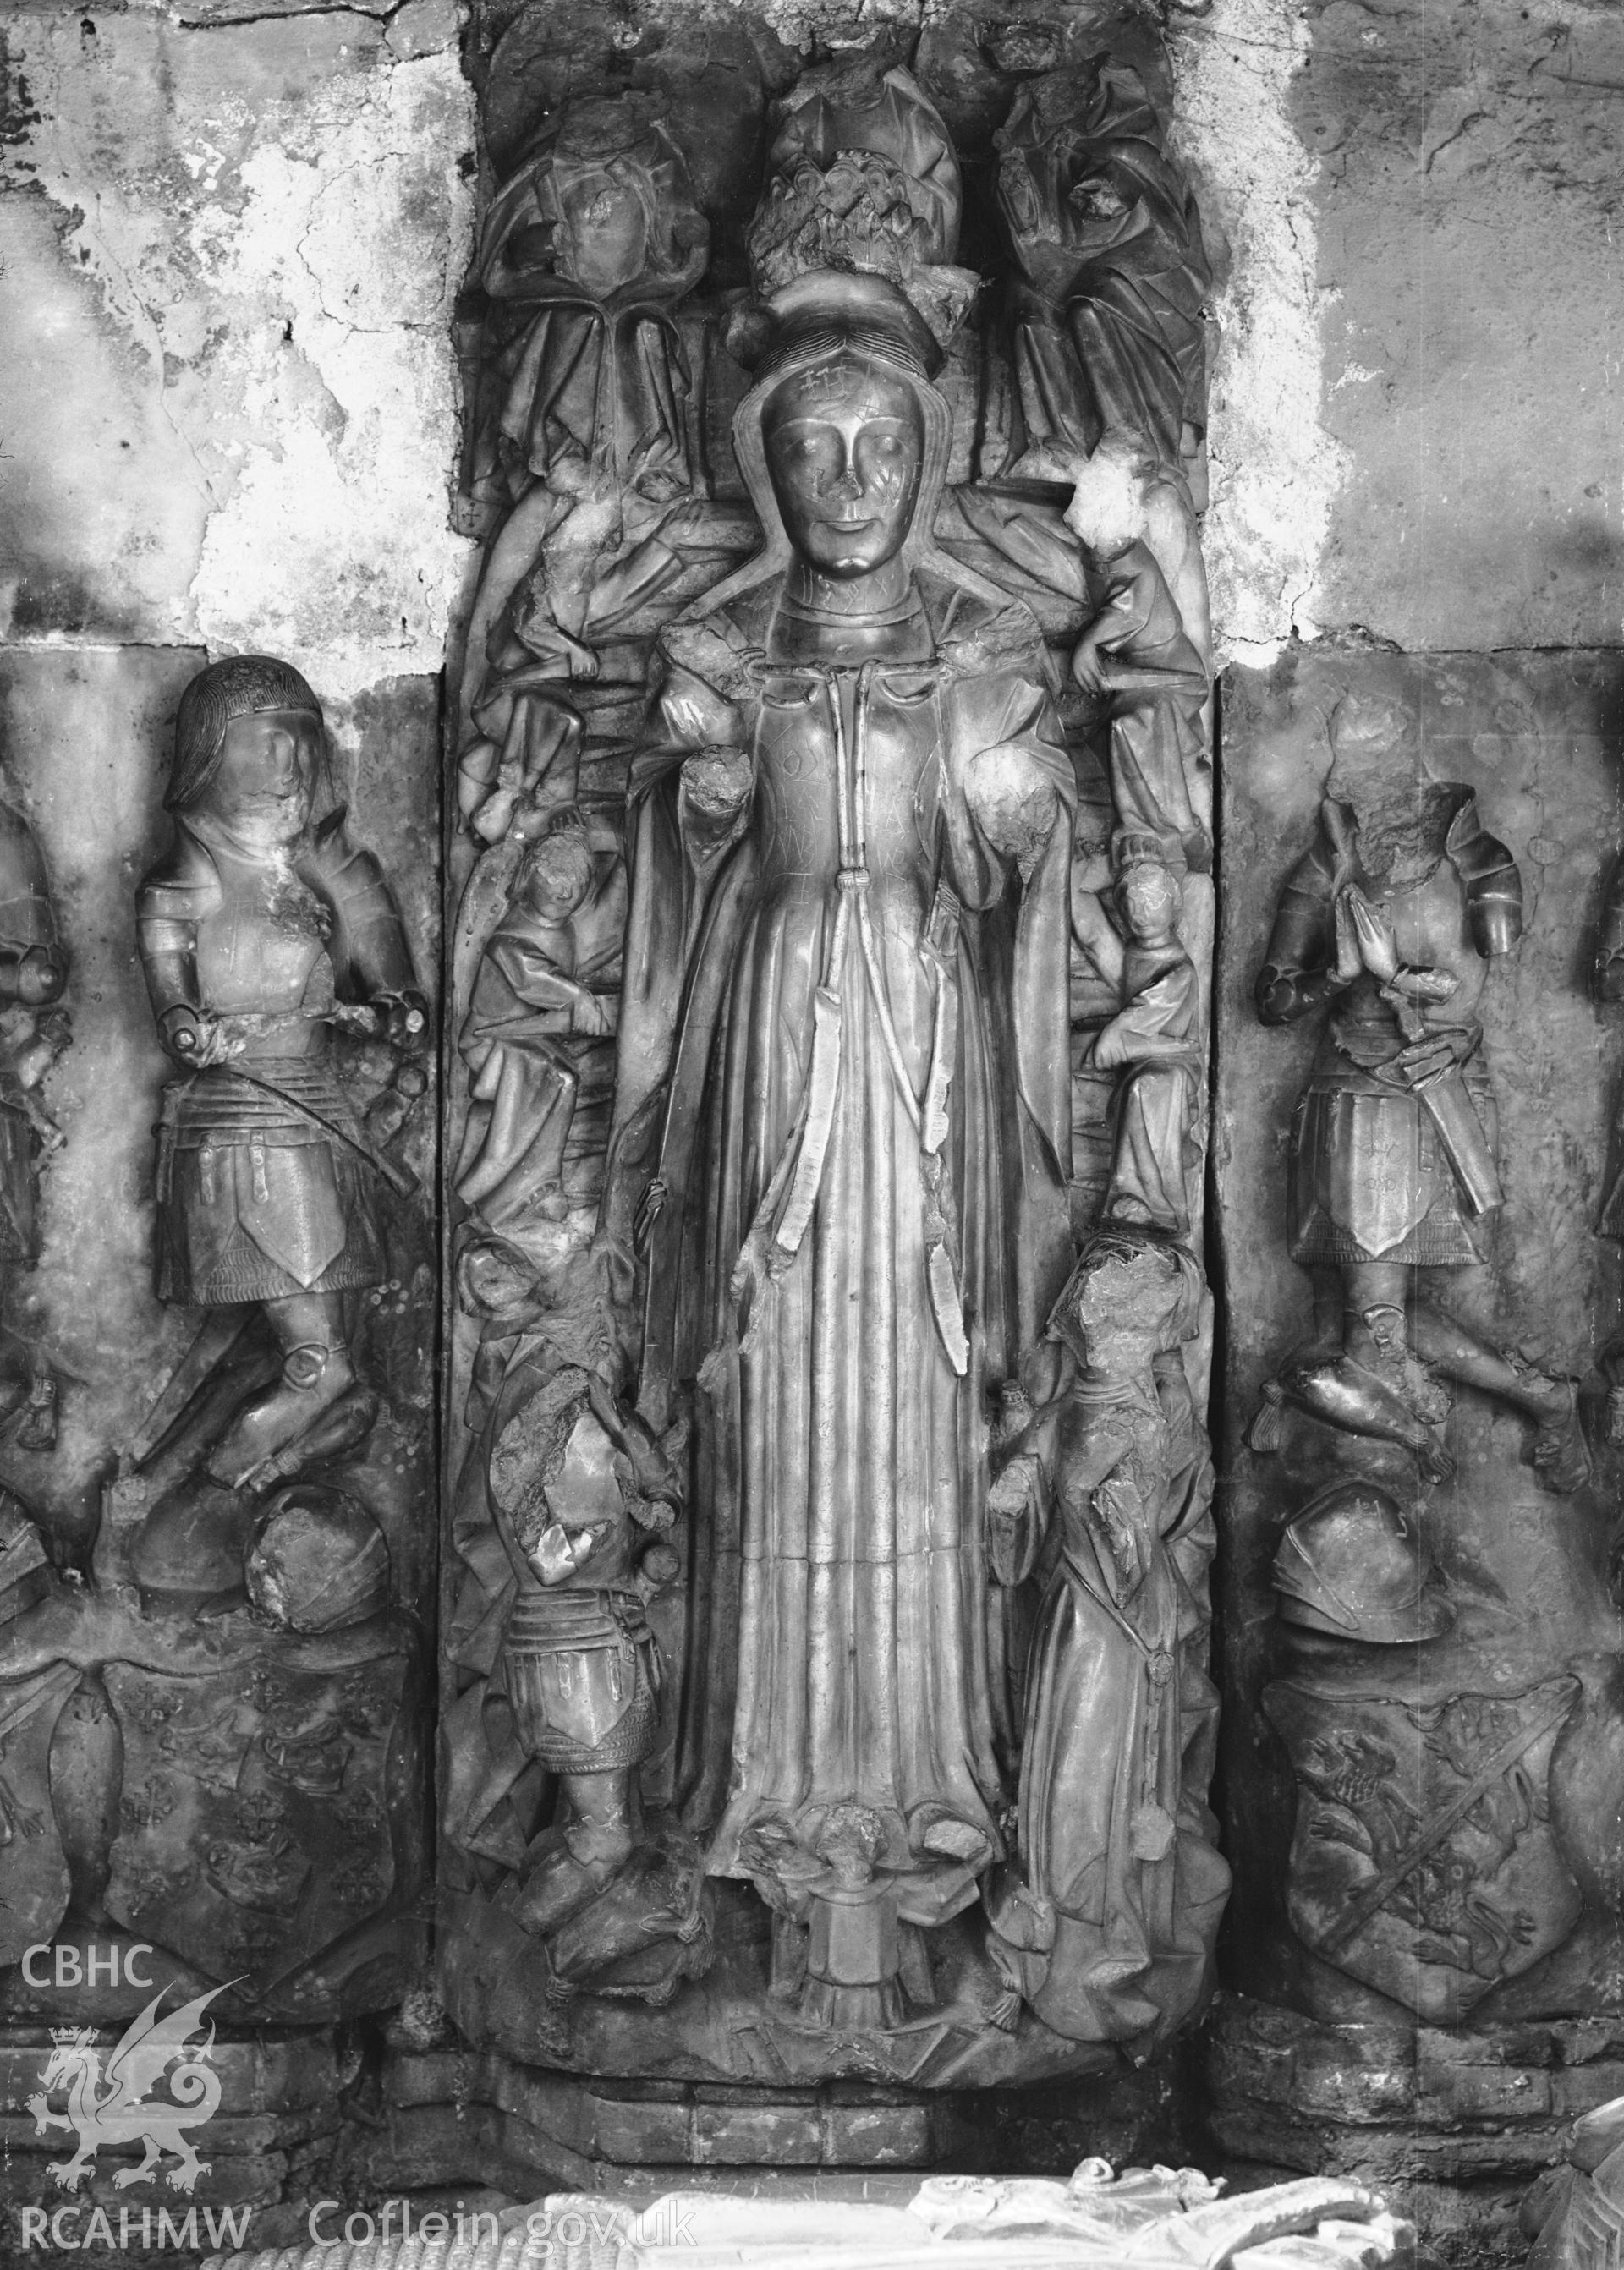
(825, 1663)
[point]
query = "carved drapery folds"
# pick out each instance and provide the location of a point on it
(831, 1509)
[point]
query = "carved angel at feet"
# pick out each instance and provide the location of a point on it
(861, 1961)
(1390, 922)
(263, 929)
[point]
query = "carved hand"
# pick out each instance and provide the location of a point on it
(37, 976)
(1373, 935)
(404, 1019)
(1014, 800)
(716, 783)
(1014, 1519)
(1422, 986)
(559, 1552)
(1610, 977)
(1087, 667)
(194, 1038)
(1349, 963)
(1426, 1061)
(591, 1017)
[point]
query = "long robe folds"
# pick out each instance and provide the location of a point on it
(843, 1052)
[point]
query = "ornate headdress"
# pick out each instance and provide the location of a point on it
(852, 251)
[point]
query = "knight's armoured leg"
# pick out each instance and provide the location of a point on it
(316, 1370)
(1367, 1286)
(583, 1850)
(1462, 1355)
(1560, 1451)
(1328, 1310)
(603, 1823)
(1361, 1389)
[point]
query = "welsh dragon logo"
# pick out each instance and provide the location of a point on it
(115, 2107)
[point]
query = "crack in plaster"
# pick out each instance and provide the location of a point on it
(333, 315)
(284, 15)
(305, 486)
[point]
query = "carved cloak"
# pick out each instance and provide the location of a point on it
(838, 1626)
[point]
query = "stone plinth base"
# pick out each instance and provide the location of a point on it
(266, 2149)
(1450, 2127)
(456, 2117)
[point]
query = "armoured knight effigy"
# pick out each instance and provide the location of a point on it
(211, 1700)
(830, 1500)
(1427, 1466)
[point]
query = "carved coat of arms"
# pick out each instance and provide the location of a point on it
(1423, 1861)
(253, 1827)
(34, 1867)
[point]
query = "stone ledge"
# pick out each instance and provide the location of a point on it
(1399, 2104)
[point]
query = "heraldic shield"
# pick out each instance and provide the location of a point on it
(1423, 1861)
(253, 1826)
(34, 1868)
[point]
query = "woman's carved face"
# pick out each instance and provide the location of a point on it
(845, 445)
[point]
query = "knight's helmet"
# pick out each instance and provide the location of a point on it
(1350, 1564)
(238, 686)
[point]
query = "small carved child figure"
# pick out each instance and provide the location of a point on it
(530, 997)
(1137, 651)
(1152, 1041)
(1121, 1884)
(579, 1661)
(261, 928)
(863, 1963)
